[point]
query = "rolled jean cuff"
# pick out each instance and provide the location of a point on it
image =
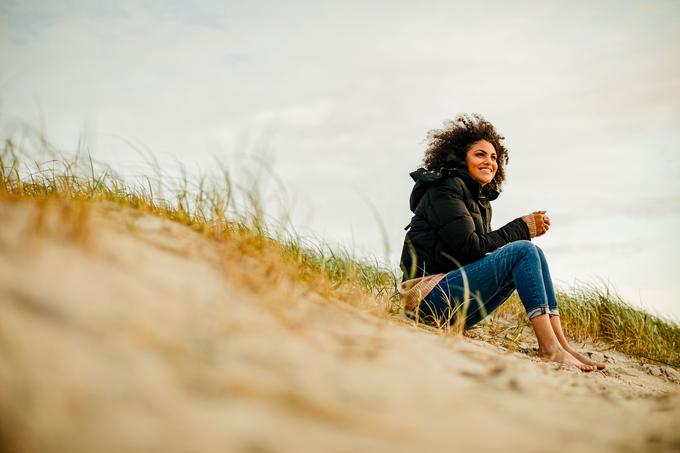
(542, 310)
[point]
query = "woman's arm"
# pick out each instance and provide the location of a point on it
(456, 229)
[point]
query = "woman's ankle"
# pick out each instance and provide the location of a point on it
(550, 350)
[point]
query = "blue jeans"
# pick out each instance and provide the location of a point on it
(518, 265)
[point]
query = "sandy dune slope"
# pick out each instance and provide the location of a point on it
(125, 332)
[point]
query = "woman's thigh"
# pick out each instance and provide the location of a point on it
(484, 284)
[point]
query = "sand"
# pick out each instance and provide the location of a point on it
(126, 332)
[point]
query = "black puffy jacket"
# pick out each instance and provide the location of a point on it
(451, 225)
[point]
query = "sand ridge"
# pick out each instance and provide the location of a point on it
(135, 333)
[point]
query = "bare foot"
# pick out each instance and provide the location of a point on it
(586, 360)
(563, 357)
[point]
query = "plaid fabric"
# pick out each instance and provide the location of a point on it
(414, 291)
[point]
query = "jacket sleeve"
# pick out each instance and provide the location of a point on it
(456, 229)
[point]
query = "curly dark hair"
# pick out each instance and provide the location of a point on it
(448, 147)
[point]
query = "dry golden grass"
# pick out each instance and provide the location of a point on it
(235, 221)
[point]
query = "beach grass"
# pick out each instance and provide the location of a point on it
(231, 213)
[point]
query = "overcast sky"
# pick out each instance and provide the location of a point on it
(340, 96)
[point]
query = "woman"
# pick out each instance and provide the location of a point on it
(454, 265)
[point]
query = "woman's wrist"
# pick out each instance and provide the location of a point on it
(537, 222)
(531, 224)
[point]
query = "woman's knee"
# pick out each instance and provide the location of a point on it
(518, 251)
(541, 255)
(523, 250)
(523, 246)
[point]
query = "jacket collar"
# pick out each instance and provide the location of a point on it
(480, 191)
(423, 178)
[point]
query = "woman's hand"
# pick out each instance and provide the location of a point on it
(538, 223)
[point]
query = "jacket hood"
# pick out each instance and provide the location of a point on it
(424, 178)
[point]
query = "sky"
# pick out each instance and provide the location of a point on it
(339, 97)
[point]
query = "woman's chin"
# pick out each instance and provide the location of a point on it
(483, 179)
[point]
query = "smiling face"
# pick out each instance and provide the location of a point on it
(481, 161)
